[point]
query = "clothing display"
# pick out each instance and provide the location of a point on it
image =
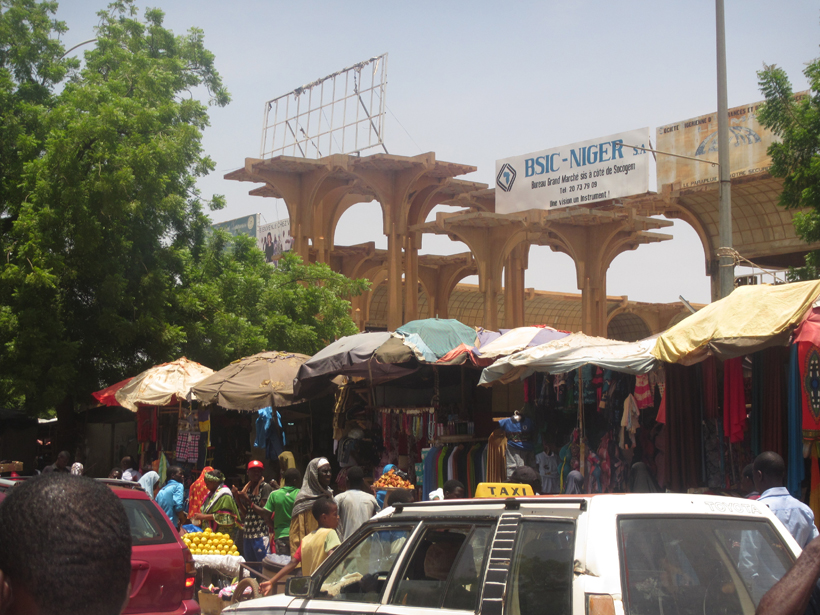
(548, 470)
(187, 447)
(497, 457)
(734, 400)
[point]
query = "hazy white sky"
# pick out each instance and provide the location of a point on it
(478, 81)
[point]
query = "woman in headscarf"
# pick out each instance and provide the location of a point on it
(219, 510)
(197, 493)
(315, 485)
(148, 482)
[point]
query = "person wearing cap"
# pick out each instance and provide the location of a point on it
(257, 529)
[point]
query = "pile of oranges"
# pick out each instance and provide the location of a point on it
(391, 480)
(208, 542)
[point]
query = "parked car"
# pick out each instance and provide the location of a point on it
(603, 554)
(162, 567)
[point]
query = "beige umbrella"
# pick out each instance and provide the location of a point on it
(162, 385)
(252, 383)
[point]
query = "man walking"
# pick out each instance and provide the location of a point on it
(769, 475)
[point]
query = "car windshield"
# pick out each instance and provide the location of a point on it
(699, 565)
(147, 525)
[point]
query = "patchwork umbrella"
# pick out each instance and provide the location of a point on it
(351, 356)
(513, 340)
(162, 385)
(107, 395)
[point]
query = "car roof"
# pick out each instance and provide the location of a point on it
(123, 489)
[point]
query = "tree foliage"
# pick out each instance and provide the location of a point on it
(795, 120)
(237, 305)
(109, 265)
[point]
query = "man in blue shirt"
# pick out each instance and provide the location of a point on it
(171, 497)
(769, 474)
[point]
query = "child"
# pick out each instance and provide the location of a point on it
(315, 547)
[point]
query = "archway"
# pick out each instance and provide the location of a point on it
(627, 327)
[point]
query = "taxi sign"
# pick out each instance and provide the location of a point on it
(502, 490)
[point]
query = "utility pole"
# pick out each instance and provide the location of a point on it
(726, 274)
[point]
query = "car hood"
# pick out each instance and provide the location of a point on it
(278, 602)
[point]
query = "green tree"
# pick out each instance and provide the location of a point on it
(235, 304)
(96, 241)
(796, 157)
(109, 265)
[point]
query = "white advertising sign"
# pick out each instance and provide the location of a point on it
(577, 174)
(274, 239)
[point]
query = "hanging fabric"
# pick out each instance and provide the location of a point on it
(734, 400)
(809, 362)
(794, 463)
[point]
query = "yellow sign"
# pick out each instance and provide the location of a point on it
(502, 490)
(697, 137)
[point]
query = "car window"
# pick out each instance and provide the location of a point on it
(362, 574)
(147, 525)
(540, 580)
(697, 565)
(445, 569)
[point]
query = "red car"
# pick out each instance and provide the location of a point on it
(162, 567)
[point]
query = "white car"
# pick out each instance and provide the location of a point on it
(668, 554)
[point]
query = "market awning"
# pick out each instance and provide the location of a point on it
(513, 340)
(350, 356)
(251, 383)
(162, 385)
(107, 396)
(750, 319)
(573, 352)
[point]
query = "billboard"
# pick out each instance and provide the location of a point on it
(246, 225)
(578, 174)
(697, 137)
(274, 239)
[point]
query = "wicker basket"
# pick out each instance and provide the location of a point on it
(211, 604)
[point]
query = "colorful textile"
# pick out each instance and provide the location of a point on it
(643, 393)
(147, 424)
(198, 492)
(794, 461)
(734, 400)
(222, 506)
(254, 525)
(809, 357)
(630, 421)
(497, 457)
(518, 432)
(187, 447)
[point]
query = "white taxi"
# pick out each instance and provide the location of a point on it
(666, 554)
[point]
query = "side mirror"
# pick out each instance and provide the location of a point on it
(298, 587)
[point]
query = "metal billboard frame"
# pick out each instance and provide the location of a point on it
(347, 116)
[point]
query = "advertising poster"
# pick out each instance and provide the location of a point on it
(578, 174)
(274, 239)
(245, 225)
(697, 137)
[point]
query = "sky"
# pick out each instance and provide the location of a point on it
(478, 81)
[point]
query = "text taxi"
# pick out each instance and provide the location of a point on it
(562, 555)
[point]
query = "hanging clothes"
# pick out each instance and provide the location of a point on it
(711, 400)
(630, 420)
(809, 362)
(681, 440)
(794, 462)
(643, 395)
(734, 400)
(147, 424)
(497, 457)
(547, 464)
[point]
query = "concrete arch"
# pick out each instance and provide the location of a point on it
(627, 327)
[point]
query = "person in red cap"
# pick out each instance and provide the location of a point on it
(257, 529)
